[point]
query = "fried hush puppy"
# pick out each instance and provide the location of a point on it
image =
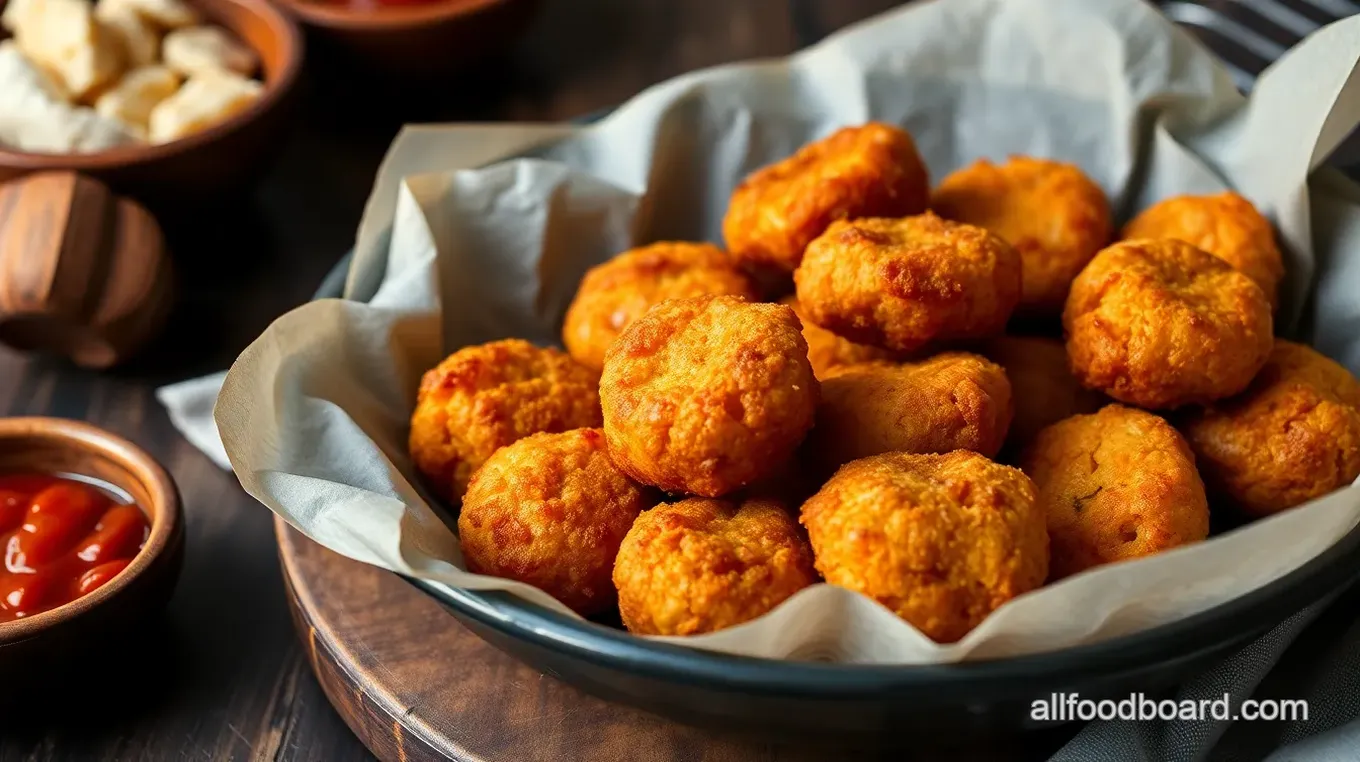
(551, 511)
(952, 401)
(941, 540)
(482, 398)
(1225, 225)
(1051, 212)
(706, 395)
(1160, 324)
(826, 350)
(701, 565)
(1117, 484)
(1292, 436)
(1041, 383)
(616, 293)
(906, 284)
(868, 171)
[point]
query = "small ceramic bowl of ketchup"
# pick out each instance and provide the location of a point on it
(91, 536)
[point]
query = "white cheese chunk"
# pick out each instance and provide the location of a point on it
(207, 48)
(139, 39)
(166, 14)
(203, 101)
(15, 11)
(133, 98)
(35, 117)
(63, 37)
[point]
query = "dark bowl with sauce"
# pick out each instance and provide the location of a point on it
(401, 39)
(93, 541)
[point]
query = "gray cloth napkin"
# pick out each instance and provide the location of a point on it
(1331, 734)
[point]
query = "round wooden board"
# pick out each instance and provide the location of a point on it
(414, 684)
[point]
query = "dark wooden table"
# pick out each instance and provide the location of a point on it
(222, 676)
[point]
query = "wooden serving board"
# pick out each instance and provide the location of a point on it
(415, 685)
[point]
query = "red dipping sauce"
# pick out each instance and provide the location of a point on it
(61, 539)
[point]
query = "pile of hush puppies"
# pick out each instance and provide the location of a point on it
(665, 462)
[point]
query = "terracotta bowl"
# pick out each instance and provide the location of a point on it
(54, 445)
(417, 39)
(210, 163)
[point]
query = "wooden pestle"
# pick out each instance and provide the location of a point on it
(83, 273)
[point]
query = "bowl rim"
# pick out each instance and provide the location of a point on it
(164, 520)
(284, 27)
(339, 15)
(1235, 621)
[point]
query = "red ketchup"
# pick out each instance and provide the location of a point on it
(61, 539)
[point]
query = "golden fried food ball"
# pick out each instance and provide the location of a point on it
(1042, 385)
(904, 284)
(700, 565)
(1226, 225)
(482, 398)
(826, 350)
(1160, 324)
(1293, 435)
(1116, 484)
(1051, 212)
(952, 401)
(941, 540)
(616, 293)
(868, 171)
(707, 395)
(551, 510)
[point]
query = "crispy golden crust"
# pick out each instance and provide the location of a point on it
(941, 540)
(1160, 324)
(551, 510)
(1117, 484)
(868, 171)
(1225, 225)
(706, 395)
(952, 401)
(482, 398)
(1051, 212)
(905, 284)
(826, 350)
(616, 293)
(1292, 436)
(700, 565)
(1042, 386)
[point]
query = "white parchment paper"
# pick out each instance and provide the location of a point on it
(461, 244)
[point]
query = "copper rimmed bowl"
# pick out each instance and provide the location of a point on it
(58, 446)
(218, 159)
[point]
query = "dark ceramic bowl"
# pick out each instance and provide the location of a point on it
(876, 705)
(40, 642)
(419, 38)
